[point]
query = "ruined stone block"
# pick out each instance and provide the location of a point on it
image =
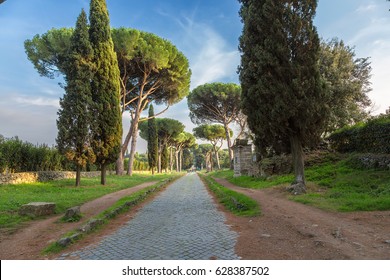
(36, 209)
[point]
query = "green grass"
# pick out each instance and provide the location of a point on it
(346, 189)
(63, 193)
(252, 182)
(238, 204)
(333, 186)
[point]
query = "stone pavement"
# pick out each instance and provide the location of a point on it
(182, 223)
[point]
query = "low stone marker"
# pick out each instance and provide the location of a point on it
(72, 214)
(36, 209)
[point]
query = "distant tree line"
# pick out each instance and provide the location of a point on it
(19, 156)
(168, 144)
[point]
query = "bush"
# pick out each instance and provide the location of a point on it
(370, 137)
(19, 156)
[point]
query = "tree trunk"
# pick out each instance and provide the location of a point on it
(171, 159)
(177, 160)
(299, 185)
(181, 160)
(133, 145)
(120, 164)
(159, 163)
(217, 158)
(78, 175)
(103, 174)
(209, 161)
(229, 144)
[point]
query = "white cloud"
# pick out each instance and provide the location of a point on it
(380, 71)
(214, 61)
(372, 40)
(38, 101)
(367, 8)
(376, 28)
(211, 57)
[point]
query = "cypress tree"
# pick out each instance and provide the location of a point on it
(152, 140)
(74, 117)
(164, 158)
(107, 125)
(282, 92)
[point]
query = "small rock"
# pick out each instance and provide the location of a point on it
(387, 241)
(72, 214)
(315, 225)
(266, 235)
(337, 233)
(357, 245)
(85, 228)
(64, 241)
(91, 225)
(75, 236)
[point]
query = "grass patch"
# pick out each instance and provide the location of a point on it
(334, 185)
(341, 187)
(252, 182)
(63, 193)
(237, 203)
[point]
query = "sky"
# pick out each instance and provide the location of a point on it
(206, 31)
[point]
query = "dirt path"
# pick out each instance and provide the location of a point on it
(289, 230)
(28, 242)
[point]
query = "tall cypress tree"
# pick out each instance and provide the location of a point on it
(152, 140)
(74, 117)
(107, 125)
(282, 92)
(164, 158)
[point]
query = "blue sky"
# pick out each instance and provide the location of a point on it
(206, 31)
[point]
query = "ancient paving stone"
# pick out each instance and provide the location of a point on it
(183, 222)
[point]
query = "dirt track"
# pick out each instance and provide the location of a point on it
(289, 230)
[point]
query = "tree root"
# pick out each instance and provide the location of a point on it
(297, 188)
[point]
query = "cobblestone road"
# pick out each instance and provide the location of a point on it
(181, 223)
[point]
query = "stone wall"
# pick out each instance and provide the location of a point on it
(243, 159)
(372, 161)
(43, 176)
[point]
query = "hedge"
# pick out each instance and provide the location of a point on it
(19, 156)
(370, 137)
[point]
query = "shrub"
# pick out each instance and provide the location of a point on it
(370, 137)
(19, 156)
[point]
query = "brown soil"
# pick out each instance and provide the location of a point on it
(289, 230)
(285, 230)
